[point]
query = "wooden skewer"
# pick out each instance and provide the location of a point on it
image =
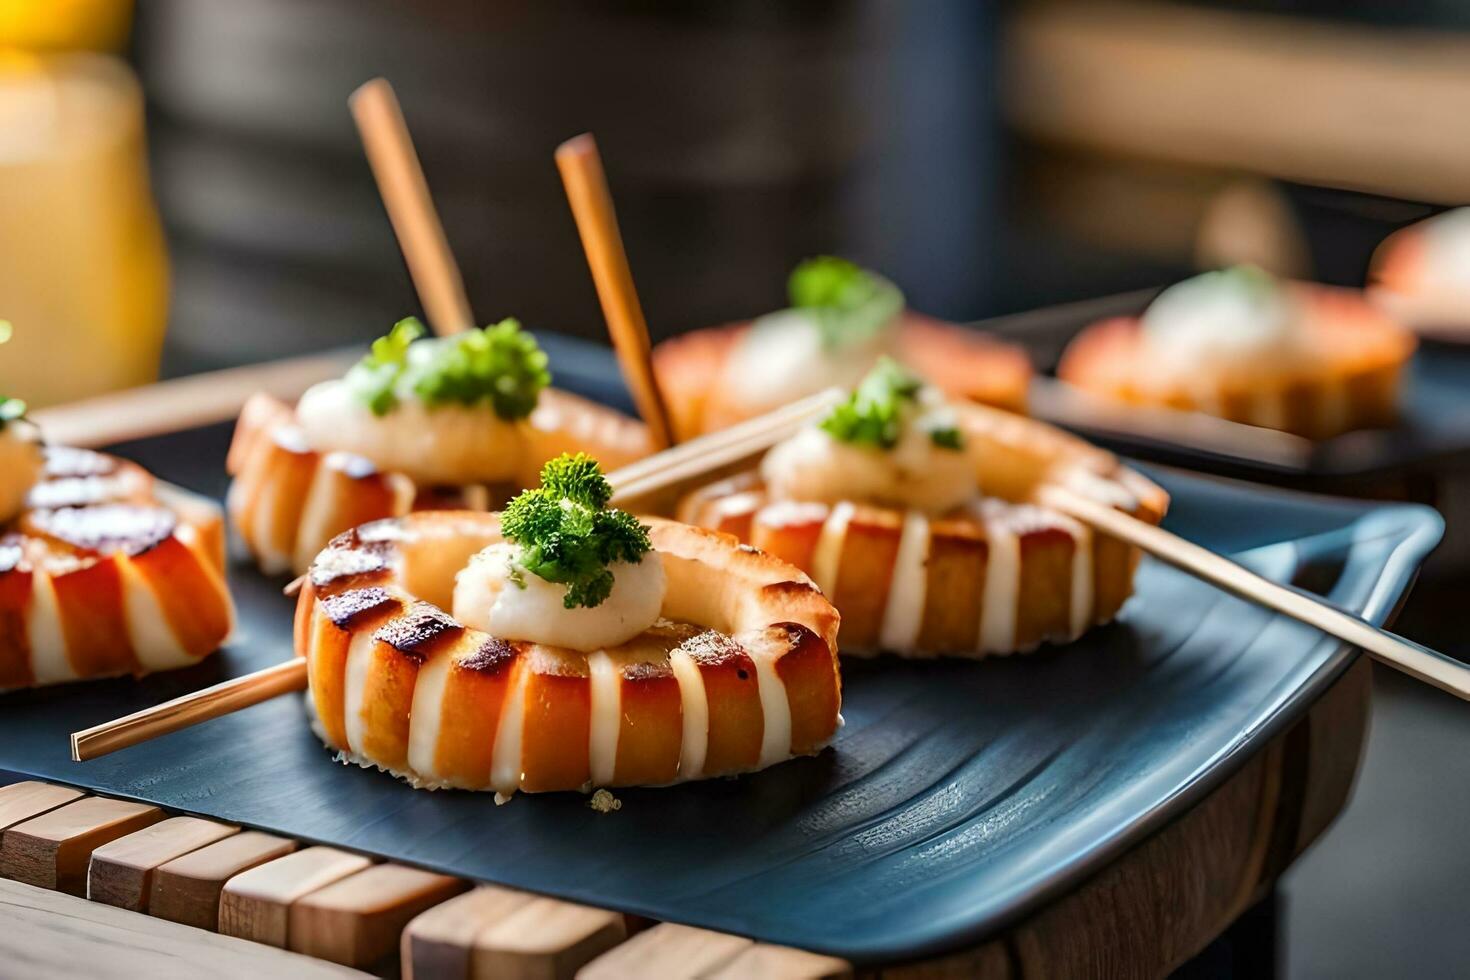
(184, 403)
(406, 196)
(1417, 661)
(597, 222)
(191, 709)
(654, 473)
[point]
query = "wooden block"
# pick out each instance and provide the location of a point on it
(187, 889)
(546, 940)
(50, 936)
(121, 873)
(256, 904)
(52, 850)
(668, 951)
(357, 921)
(22, 801)
(762, 962)
(439, 943)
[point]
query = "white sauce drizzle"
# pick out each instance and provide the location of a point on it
(1082, 581)
(505, 761)
(775, 707)
(154, 642)
(695, 740)
(354, 686)
(903, 615)
(998, 605)
(827, 557)
(426, 715)
(49, 660)
(605, 682)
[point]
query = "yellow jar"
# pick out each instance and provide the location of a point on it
(83, 270)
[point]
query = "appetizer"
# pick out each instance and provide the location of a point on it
(102, 571)
(1421, 275)
(563, 645)
(1241, 345)
(418, 424)
(841, 320)
(925, 522)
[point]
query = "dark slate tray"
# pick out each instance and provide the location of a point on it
(957, 797)
(1431, 438)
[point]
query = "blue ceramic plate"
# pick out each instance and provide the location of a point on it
(958, 796)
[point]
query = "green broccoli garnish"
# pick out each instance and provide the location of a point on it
(501, 364)
(877, 410)
(568, 535)
(849, 304)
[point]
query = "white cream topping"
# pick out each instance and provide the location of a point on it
(1228, 316)
(433, 445)
(814, 466)
(1447, 250)
(485, 598)
(21, 466)
(782, 358)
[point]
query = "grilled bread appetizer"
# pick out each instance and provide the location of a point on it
(563, 646)
(102, 572)
(925, 522)
(1307, 359)
(1421, 275)
(841, 320)
(455, 422)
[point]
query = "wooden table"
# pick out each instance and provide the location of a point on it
(1150, 911)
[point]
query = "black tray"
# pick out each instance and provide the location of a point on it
(958, 796)
(1432, 437)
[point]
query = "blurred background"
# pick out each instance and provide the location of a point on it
(182, 188)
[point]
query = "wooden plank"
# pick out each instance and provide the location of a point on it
(668, 951)
(187, 889)
(763, 962)
(59, 937)
(546, 939)
(22, 801)
(256, 904)
(439, 943)
(357, 921)
(52, 850)
(121, 873)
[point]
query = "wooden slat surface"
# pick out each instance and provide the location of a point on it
(546, 939)
(763, 962)
(440, 942)
(357, 920)
(22, 801)
(257, 904)
(121, 872)
(51, 936)
(669, 951)
(52, 850)
(187, 889)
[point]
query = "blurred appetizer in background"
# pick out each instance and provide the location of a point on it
(924, 521)
(462, 421)
(842, 319)
(1312, 360)
(563, 645)
(103, 572)
(1421, 275)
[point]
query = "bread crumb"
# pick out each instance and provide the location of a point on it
(604, 802)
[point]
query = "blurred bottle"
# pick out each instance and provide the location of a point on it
(83, 271)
